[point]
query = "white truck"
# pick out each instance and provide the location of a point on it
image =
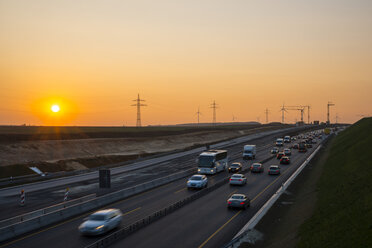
(249, 152)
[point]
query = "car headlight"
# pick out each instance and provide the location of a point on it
(198, 169)
(99, 227)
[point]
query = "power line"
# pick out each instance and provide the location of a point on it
(138, 105)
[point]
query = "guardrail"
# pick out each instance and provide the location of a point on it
(244, 232)
(39, 212)
(55, 216)
(128, 230)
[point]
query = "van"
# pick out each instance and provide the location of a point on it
(249, 152)
(279, 142)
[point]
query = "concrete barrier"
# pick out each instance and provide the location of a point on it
(33, 221)
(39, 212)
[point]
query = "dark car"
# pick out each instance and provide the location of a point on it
(302, 147)
(295, 146)
(284, 160)
(257, 167)
(279, 155)
(238, 201)
(274, 170)
(235, 167)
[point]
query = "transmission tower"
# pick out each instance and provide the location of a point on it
(308, 113)
(198, 113)
(329, 105)
(234, 118)
(283, 109)
(214, 106)
(138, 105)
(267, 115)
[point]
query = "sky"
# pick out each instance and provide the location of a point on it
(93, 57)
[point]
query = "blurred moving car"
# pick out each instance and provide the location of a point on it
(197, 181)
(279, 155)
(238, 179)
(287, 152)
(295, 146)
(235, 167)
(284, 160)
(287, 139)
(257, 167)
(275, 150)
(274, 170)
(302, 147)
(238, 201)
(101, 221)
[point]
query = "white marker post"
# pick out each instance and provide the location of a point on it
(66, 194)
(23, 198)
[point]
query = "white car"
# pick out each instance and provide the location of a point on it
(238, 179)
(101, 221)
(197, 181)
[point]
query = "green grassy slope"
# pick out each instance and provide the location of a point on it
(343, 214)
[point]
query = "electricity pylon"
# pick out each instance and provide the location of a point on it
(138, 105)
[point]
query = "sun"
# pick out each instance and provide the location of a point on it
(55, 108)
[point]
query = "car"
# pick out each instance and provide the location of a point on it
(257, 167)
(302, 147)
(238, 179)
(197, 181)
(235, 167)
(308, 145)
(101, 222)
(287, 152)
(284, 160)
(279, 142)
(295, 146)
(238, 201)
(275, 150)
(274, 170)
(279, 155)
(287, 139)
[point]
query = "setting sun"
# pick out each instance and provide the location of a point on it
(55, 108)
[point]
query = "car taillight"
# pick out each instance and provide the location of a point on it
(240, 179)
(242, 203)
(230, 179)
(229, 202)
(251, 167)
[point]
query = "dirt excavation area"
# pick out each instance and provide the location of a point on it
(77, 154)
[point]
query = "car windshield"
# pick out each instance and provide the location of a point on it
(196, 178)
(256, 165)
(206, 161)
(237, 197)
(236, 176)
(234, 165)
(273, 168)
(97, 217)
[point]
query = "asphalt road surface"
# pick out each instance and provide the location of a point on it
(203, 223)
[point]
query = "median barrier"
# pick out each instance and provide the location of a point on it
(67, 211)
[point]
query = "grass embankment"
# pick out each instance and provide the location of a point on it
(343, 213)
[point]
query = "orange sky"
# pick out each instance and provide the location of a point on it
(93, 57)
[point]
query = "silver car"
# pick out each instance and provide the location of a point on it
(197, 181)
(101, 221)
(238, 201)
(238, 179)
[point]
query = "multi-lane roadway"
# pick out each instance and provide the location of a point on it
(203, 223)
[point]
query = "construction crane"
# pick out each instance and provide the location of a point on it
(329, 105)
(300, 108)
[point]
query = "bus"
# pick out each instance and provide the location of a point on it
(212, 161)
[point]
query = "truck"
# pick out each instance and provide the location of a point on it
(249, 152)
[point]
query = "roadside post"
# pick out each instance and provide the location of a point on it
(66, 194)
(23, 198)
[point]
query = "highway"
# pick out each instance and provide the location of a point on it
(47, 193)
(205, 222)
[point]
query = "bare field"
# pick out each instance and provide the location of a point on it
(77, 154)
